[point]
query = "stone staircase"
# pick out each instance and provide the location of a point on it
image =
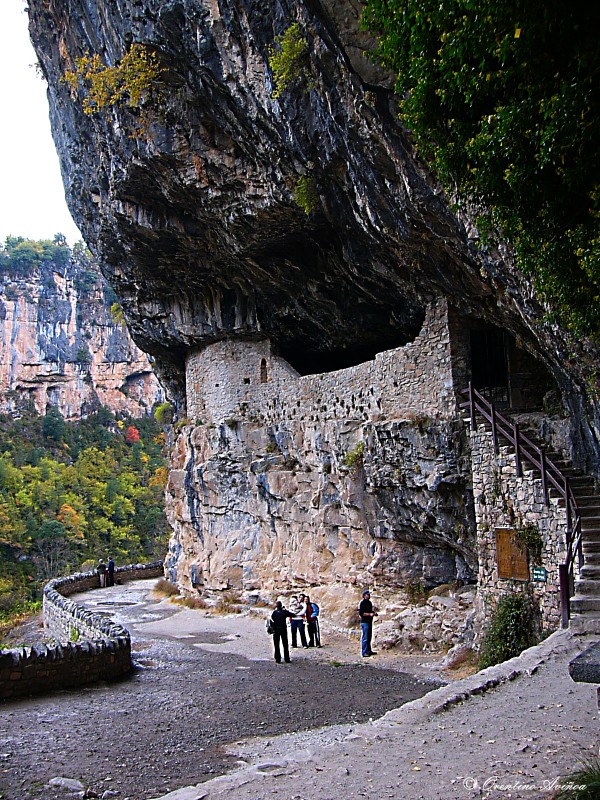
(585, 602)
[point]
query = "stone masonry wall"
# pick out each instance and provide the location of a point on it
(342, 478)
(238, 378)
(502, 500)
(89, 647)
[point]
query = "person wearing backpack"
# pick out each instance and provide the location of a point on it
(311, 622)
(315, 613)
(279, 618)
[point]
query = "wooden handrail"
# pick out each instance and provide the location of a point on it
(551, 476)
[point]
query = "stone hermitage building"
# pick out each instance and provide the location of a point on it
(361, 476)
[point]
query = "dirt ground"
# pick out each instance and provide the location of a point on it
(202, 684)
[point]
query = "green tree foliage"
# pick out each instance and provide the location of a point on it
(75, 492)
(288, 58)
(511, 630)
(163, 413)
(20, 257)
(502, 98)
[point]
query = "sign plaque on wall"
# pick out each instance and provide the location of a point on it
(511, 557)
(539, 574)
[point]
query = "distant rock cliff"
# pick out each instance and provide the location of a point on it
(59, 345)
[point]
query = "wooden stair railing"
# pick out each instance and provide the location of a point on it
(552, 478)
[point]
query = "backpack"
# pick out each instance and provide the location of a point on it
(315, 609)
(270, 626)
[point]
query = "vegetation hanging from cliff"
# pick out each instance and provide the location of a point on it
(305, 194)
(288, 58)
(73, 492)
(129, 82)
(502, 98)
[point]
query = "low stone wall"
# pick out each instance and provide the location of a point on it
(90, 647)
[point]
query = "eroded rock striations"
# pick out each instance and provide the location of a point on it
(60, 347)
(188, 202)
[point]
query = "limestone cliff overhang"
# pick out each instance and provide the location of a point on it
(193, 213)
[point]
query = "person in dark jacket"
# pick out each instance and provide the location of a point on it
(366, 613)
(280, 617)
(311, 623)
(110, 572)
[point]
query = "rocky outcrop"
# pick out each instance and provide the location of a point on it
(59, 345)
(188, 203)
(349, 477)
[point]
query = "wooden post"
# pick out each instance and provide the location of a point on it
(565, 610)
(517, 435)
(472, 407)
(494, 428)
(542, 452)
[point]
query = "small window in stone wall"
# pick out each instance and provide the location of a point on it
(263, 371)
(510, 556)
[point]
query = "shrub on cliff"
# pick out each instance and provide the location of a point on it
(288, 58)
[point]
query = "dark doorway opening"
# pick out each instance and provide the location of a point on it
(489, 364)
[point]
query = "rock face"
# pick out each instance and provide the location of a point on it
(188, 203)
(348, 477)
(60, 347)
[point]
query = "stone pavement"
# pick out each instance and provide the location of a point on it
(511, 731)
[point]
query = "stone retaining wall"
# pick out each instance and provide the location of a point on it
(89, 647)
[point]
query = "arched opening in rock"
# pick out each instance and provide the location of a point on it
(264, 376)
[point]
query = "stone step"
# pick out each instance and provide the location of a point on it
(587, 586)
(585, 500)
(590, 547)
(590, 510)
(592, 559)
(591, 571)
(584, 623)
(586, 603)
(591, 524)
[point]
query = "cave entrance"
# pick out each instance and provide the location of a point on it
(489, 364)
(504, 372)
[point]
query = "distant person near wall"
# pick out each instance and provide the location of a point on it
(110, 572)
(280, 617)
(311, 623)
(298, 609)
(366, 613)
(101, 570)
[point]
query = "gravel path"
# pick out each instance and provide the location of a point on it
(202, 684)
(512, 731)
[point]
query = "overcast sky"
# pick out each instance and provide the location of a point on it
(32, 200)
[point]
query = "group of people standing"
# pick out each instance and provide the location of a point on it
(106, 572)
(301, 611)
